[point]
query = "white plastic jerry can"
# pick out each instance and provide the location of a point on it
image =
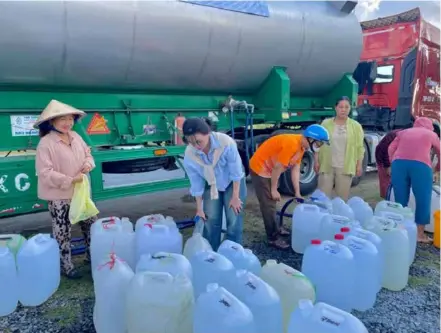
(240, 257)
(173, 263)
(111, 281)
(12, 241)
(210, 267)
(38, 268)
(152, 238)
(262, 299)
(306, 225)
(196, 243)
(157, 302)
(323, 318)
(217, 310)
(110, 236)
(8, 282)
(290, 284)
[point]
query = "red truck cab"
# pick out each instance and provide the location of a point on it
(399, 72)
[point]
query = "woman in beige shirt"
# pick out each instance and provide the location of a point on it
(62, 159)
(338, 163)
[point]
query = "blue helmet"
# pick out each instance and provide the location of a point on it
(317, 132)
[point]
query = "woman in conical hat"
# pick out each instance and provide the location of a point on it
(62, 159)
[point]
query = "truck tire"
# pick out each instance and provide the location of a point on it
(308, 177)
(356, 180)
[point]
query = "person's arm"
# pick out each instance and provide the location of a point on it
(197, 182)
(89, 161)
(45, 170)
(275, 175)
(436, 148)
(383, 154)
(283, 161)
(235, 168)
(360, 146)
(295, 177)
(393, 148)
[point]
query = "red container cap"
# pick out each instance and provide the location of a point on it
(339, 237)
(345, 229)
(316, 242)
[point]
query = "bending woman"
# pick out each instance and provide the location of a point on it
(338, 163)
(412, 168)
(214, 167)
(62, 159)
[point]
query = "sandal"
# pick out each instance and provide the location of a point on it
(284, 231)
(425, 240)
(279, 244)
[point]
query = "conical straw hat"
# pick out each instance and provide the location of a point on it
(57, 109)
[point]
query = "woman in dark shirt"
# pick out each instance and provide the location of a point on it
(383, 162)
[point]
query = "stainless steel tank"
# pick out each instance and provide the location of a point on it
(174, 45)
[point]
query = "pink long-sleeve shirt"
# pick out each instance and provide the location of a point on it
(57, 163)
(415, 143)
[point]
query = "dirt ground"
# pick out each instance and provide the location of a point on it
(173, 203)
(71, 308)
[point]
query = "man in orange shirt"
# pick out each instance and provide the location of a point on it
(272, 158)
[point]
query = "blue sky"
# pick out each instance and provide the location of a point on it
(371, 9)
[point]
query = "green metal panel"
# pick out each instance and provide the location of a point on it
(135, 118)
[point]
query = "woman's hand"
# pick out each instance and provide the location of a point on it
(236, 205)
(86, 168)
(316, 163)
(276, 195)
(201, 214)
(77, 179)
(316, 167)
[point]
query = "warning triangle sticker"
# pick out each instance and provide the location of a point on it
(98, 125)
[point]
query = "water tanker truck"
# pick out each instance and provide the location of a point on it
(139, 68)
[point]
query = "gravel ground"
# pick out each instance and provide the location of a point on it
(413, 310)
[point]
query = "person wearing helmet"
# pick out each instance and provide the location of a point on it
(339, 162)
(271, 159)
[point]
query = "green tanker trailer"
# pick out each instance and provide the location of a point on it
(139, 68)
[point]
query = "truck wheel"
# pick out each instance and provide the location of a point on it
(308, 177)
(356, 180)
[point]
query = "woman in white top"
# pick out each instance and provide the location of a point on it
(214, 168)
